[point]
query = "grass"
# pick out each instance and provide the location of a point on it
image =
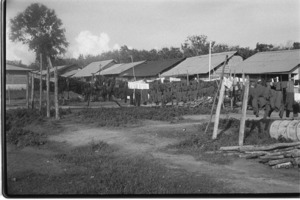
(21, 126)
(115, 117)
(101, 169)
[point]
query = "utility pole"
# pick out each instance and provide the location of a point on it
(41, 85)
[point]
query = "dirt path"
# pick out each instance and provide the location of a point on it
(151, 138)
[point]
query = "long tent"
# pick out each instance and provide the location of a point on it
(151, 68)
(94, 68)
(199, 64)
(270, 62)
(119, 68)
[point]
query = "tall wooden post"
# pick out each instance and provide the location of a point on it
(218, 111)
(55, 89)
(216, 94)
(41, 81)
(244, 110)
(48, 91)
(27, 90)
(32, 91)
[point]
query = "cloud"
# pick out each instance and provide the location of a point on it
(18, 51)
(86, 43)
(116, 47)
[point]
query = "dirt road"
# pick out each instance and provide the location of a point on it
(151, 140)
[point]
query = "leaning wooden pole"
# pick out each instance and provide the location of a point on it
(32, 91)
(48, 91)
(216, 94)
(244, 110)
(41, 82)
(218, 111)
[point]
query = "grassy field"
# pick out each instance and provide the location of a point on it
(152, 157)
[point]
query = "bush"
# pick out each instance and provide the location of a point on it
(22, 137)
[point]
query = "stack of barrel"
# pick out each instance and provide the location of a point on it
(288, 129)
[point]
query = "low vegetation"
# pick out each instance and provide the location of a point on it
(198, 143)
(18, 121)
(101, 169)
(132, 115)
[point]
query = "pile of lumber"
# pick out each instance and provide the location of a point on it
(279, 155)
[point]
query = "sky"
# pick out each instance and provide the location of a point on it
(96, 26)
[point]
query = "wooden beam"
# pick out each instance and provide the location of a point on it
(244, 111)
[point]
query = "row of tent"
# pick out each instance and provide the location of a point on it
(271, 62)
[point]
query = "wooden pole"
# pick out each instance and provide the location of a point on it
(216, 94)
(48, 90)
(299, 79)
(41, 85)
(218, 111)
(244, 110)
(55, 89)
(27, 90)
(32, 91)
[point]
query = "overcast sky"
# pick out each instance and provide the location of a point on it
(94, 26)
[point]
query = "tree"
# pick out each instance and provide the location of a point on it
(296, 45)
(39, 28)
(196, 45)
(263, 47)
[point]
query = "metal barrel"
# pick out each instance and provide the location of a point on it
(288, 129)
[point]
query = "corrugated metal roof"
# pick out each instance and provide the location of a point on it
(119, 68)
(93, 68)
(270, 62)
(198, 64)
(152, 68)
(10, 67)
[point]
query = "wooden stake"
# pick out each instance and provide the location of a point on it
(32, 91)
(27, 90)
(41, 85)
(48, 90)
(244, 110)
(216, 94)
(218, 111)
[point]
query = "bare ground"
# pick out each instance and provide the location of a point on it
(150, 140)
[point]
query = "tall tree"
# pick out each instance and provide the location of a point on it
(196, 45)
(39, 28)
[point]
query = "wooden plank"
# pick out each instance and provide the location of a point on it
(259, 147)
(244, 110)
